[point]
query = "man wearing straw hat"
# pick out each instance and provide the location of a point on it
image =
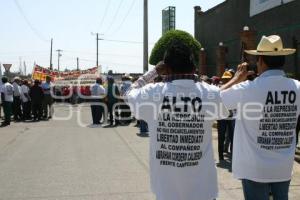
(267, 113)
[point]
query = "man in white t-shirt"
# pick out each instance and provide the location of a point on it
(48, 100)
(97, 94)
(267, 113)
(180, 113)
(7, 98)
(17, 103)
(26, 100)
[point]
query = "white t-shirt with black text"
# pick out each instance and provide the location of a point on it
(180, 115)
(8, 90)
(264, 137)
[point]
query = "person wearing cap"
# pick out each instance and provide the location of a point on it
(225, 126)
(180, 113)
(267, 113)
(36, 94)
(97, 94)
(7, 98)
(48, 100)
(17, 103)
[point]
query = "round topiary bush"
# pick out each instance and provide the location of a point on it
(163, 43)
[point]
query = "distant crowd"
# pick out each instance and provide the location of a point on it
(26, 100)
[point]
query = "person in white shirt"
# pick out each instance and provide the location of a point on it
(26, 100)
(7, 97)
(97, 94)
(17, 104)
(266, 120)
(48, 100)
(180, 113)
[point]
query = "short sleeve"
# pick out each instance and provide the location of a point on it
(142, 103)
(222, 112)
(232, 96)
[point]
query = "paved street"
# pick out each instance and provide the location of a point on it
(60, 160)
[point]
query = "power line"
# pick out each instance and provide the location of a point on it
(105, 14)
(125, 41)
(33, 29)
(124, 19)
(104, 54)
(114, 17)
(103, 62)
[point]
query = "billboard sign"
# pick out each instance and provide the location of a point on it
(259, 6)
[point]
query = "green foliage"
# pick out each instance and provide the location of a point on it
(163, 43)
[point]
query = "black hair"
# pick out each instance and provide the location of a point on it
(36, 82)
(274, 62)
(4, 79)
(179, 58)
(99, 81)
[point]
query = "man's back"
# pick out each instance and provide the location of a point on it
(8, 91)
(267, 112)
(36, 93)
(180, 115)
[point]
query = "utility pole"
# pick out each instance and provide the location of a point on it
(145, 66)
(97, 39)
(58, 57)
(77, 64)
(51, 64)
(97, 47)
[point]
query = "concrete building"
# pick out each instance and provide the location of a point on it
(225, 30)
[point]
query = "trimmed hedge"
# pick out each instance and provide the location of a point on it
(162, 44)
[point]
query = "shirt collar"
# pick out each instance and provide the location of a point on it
(272, 72)
(175, 77)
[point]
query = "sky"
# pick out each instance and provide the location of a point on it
(27, 27)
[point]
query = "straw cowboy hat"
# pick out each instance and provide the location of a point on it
(227, 75)
(271, 46)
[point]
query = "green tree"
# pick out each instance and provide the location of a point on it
(169, 37)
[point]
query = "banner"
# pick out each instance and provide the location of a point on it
(40, 73)
(259, 6)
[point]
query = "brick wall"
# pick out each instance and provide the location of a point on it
(225, 22)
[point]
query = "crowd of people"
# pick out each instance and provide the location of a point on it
(26, 100)
(178, 109)
(107, 103)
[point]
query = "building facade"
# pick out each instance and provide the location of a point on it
(234, 25)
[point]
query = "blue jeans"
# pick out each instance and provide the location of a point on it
(143, 127)
(260, 191)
